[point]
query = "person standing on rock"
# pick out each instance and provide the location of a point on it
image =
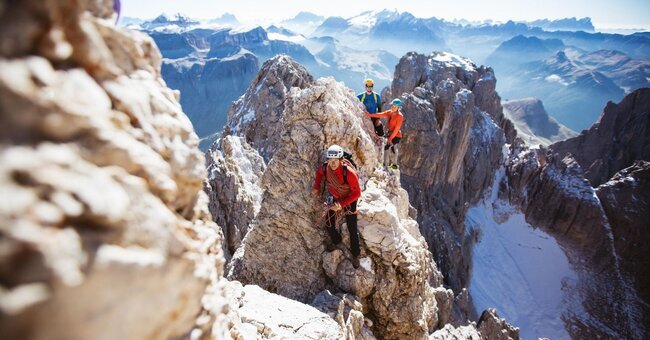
(395, 119)
(343, 193)
(372, 101)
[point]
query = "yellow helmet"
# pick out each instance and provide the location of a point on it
(369, 82)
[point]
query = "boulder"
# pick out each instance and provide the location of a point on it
(105, 231)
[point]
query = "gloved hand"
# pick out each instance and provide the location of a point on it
(388, 145)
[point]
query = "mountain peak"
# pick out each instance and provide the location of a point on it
(561, 57)
(307, 16)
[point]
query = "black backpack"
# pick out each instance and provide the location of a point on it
(347, 156)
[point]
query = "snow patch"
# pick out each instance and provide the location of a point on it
(454, 60)
(554, 78)
(520, 270)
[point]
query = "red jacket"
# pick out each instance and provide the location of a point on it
(394, 122)
(353, 182)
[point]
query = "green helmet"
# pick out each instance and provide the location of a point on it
(396, 102)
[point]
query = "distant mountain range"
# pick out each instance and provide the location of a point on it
(575, 84)
(591, 69)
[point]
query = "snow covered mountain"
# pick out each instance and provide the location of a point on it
(165, 23)
(389, 30)
(533, 124)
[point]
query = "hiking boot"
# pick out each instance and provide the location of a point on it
(355, 263)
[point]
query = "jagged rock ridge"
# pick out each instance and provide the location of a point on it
(621, 136)
(451, 148)
(290, 119)
(454, 143)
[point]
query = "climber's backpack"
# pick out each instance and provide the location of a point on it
(347, 161)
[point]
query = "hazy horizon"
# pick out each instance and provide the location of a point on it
(625, 14)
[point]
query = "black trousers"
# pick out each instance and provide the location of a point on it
(351, 221)
(379, 127)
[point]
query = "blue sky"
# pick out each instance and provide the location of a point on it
(604, 14)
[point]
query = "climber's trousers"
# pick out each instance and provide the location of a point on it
(351, 221)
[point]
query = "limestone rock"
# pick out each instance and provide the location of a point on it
(556, 197)
(263, 315)
(348, 312)
(621, 136)
(491, 326)
(451, 147)
(260, 121)
(626, 201)
(235, 170)
(283, 251)
(104, 229)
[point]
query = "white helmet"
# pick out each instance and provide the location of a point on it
(335, 151)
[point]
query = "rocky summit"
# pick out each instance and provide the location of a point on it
(284, 123)
(113, 225)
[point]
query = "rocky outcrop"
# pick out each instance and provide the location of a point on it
(621, 136)
(626, 201)
(554, 196)
(489, 326)
(290, 119)
(534, 126)
(234, 173)
(263, 315)
(258, 114)
(453, 144)
(104, 227)
(451, 149)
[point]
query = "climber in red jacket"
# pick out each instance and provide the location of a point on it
(343, 193)
(395, 119)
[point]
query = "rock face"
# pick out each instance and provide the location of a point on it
(621, 136)
(103, 221)
(453, 144)
(290, 119)
(534, 126)
(626, 201)
(489, 326)
(208, 87)
(450, 150)
(234, 173)
(258, 114)
(554, 196)
(262, 315)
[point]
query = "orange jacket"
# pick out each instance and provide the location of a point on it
(394, 122)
